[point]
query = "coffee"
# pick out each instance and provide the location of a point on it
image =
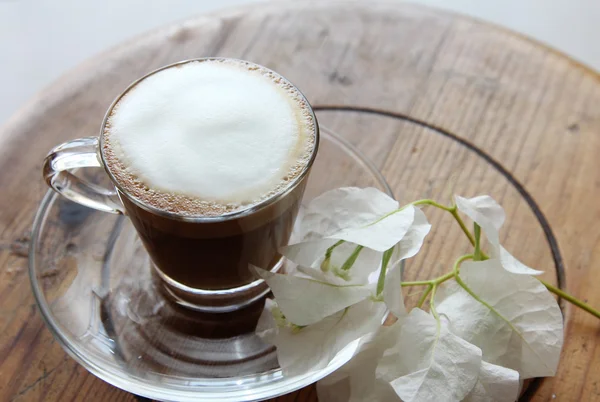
(211, 158)
(207, 138)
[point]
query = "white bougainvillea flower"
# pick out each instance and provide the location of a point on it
(342, 220)
(428, 363)
(356, 381)
(349, 230)
(495, 384)
(512, 318)
(304, 349)
(489, 215)
(493, 325)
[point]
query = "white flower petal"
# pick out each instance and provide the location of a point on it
(381, 233)
(313, 347)
(343, 208)
(495, 384)
(429, 363)
(523, 327)
(356, 381)
(306, 301)
(326, 277)
(309, 253)
(511, 264)
(412, 241)
(484, 211)
(488, 214)
(392, 291)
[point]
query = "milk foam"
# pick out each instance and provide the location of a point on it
(208, 137)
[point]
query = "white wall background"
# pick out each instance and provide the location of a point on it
(42, 39)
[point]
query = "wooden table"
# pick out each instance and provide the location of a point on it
(441, 103)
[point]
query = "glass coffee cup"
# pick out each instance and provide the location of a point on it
(200, 261)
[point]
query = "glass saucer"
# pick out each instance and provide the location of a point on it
(92, 281)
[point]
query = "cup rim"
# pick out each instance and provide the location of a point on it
(199, 218)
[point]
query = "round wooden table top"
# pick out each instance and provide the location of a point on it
(441, 103)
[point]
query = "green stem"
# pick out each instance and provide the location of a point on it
(477, 255)
(325, 265)
(415, 203)
(424, 296)
(417, 283)
(444, 278)
(385, 260)
(454, 212)
(437, 281)
(330, 249)
(433, 204)
(459, 261)
(431, 284)
(352, 259)
(571, 299)
(432, 303)
(462, 225)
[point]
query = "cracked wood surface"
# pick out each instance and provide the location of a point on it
(439, 102)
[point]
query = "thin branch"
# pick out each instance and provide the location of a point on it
(433, 204)
(462, 225)
(571, 299)
(385, 260)
(424, 296)
(432, 303)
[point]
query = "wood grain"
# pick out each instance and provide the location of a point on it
(383, 66)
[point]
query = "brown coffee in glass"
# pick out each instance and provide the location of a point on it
(209, 159)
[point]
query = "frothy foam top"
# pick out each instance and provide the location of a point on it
(209, 137)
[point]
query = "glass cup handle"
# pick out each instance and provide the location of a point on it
(74, 154)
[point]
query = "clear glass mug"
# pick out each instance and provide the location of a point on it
(201, 263)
